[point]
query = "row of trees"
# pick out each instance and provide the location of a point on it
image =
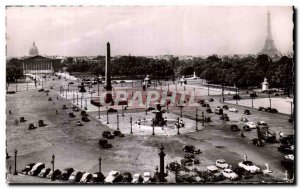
(242, 72)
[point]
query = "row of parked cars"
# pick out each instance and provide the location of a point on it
(77, 176)
(219, 171)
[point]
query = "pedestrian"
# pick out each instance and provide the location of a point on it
(9, 111)
(242, 134)
(56, 111)
(57, 98)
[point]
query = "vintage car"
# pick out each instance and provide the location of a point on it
(56, 174)
(243, 119)
(137, 178)
(191, 149)
(288, 161)
(104, 143)
(127, 177)
(146, 177)
(221, 163)
(71, 114)
(86, 178)
(27, 168)
(249, 166)
(112, 109)
(118, 133)
(225, 107)
(113, 177)
(233, 110)
(228, 173)
(66, 174)
(108, 135)
(257, 142)
(44, 172)
(98, 177)
(219, 110)
(75, 176)
(208, 110)
(36, 169)
(214, 172)
(286, 149)
(247, 112)
(250, 125)
(85, 119)
(234, 128)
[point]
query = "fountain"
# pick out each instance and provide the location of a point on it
(158, 119)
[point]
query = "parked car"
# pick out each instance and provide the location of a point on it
(27, 168)
(97, 177)
(11, 92)
(112, 109)
(66, 174)
(44, 172)
(208, 110)
(104, 143)
(225, 107)
(247, 112)
(243, 119)
(31, 126)
(78, 123)
(286, 149)
(249, 166)
(250, 125)
(70, 83)
(113, 177)
(108, 135)
(242, 173)
(214, 172)
(262, 123)
(260, 108)
(118, 133)
(191, 149)
(71, 114)
(187, 162)
(86, 178)
(56, 174)
(228, 173)
(224, 117)
(288, 161)
(36, 169)
(219, 110)
(174, 165)
(137, 178)
(83, 113)
(287, 140)
(75, 108)
(149, 108)
(234, 128)
(201, 101)
(127, 177)
(75, 176)
(210, 99)
(257, 142)
(221, 163)
(85, 119)
(146, 177)
(233, 110)
(189, 156)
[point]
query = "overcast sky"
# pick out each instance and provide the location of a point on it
(84, 31)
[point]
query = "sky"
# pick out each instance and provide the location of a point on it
(146, 31)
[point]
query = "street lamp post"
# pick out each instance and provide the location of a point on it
(181, 107)
(162, 173)
(53, 158)
(270, 100)
(107, 115)
(118, 122)
(252, 101)
(236, 96)
(130, 124)
(99, 111)
(81, 101)
(203, 119)
(15, 173)
(168, 87)
(122, 110)
(77, 98)
(196, 119)
(100, 164)
(153, 127)
(73, 97)
(208, 88)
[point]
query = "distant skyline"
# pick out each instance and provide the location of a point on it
(146, 31)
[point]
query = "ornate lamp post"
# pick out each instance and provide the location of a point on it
(270, 101)
(53, 158)
(73, 97)
(203, 119)
(122, 110)
(153, 127)
(178, 126)
(130, 124)
(162, 173)
(81, 101)
(16, 152)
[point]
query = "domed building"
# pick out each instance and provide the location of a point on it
(33, 50)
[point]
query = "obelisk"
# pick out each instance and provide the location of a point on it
(108, 88)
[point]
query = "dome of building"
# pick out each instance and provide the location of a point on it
(33, 50)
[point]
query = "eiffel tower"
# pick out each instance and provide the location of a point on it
(269, 47)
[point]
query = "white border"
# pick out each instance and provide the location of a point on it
(3, 3)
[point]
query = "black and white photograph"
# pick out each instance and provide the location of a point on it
(150, 95)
